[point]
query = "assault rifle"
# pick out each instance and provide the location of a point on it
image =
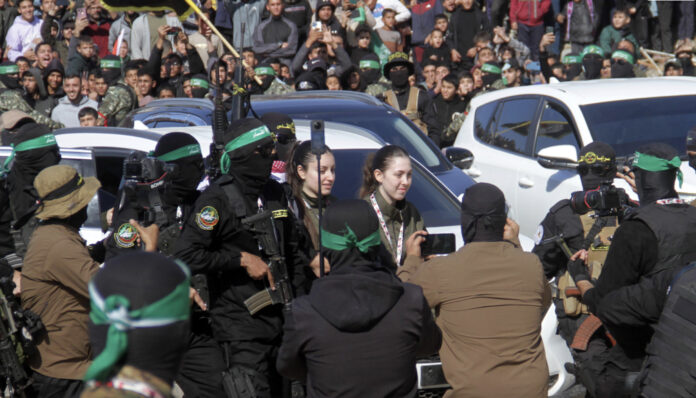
(262, 225)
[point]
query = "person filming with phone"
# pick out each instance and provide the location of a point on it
(490, 297)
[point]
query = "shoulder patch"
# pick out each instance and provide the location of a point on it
(125, 236)
(208, 218)
(539, 234)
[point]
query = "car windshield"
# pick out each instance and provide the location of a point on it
(626, 125)
(437, 206)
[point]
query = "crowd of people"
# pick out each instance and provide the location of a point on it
(78, 64)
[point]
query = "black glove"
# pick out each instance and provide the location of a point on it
(578, 270)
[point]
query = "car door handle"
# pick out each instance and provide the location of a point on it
(525, 182)
(473, 172)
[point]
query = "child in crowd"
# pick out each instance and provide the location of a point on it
(333, 83)
(617, 31)
(437, 51)
(390, 36)
(363, 34)
(88, 117)
(81, 59)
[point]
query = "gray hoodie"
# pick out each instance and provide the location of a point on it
(66, 112)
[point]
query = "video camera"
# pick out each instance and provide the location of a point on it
(18, 329)
(144, 182)
(607, 200)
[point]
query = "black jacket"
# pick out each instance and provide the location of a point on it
(356, 337)
(211, 243)
(560, 220)
(444, 111)
(464, 26)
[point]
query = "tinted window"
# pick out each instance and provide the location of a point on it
(512, 128)
(626, 125)
(437, 206)
(555, 128)
(484, 114)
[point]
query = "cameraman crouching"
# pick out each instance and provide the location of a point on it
(57, 269)
(567, 228)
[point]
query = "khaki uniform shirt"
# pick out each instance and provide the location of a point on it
(490, 298)
(57, 268)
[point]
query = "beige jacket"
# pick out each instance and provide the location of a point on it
(490, 298)
(57, 268)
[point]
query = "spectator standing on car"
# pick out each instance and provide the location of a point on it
(360, 329)
(386, 180)
(654, 239)
(57, 270)
(276, 36)
(410, 101)
(527, 18)
(150, 355)
(120, 98)
(24, 34)
(216, 243)
(490, 310)
(563, 225)
(68, 106)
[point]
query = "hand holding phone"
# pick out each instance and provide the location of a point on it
(81, 13)
(438, 244)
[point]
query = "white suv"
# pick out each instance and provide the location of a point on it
(525, 140)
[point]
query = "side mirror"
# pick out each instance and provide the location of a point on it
(460, 157)
(558, 157)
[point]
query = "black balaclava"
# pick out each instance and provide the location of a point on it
(8, 68)
(360, 289)
(620, 68)
(248, 164)
(655, 185)
(111, 69)
(691, 146)
(483, 213)
(687, 65)
(399, 78)
(493, 73)
(368, 73)
(573, 70)
(157, 350)
(188, 170)
(592, 65)
(596, 165)
(283, 127)
(27, 165)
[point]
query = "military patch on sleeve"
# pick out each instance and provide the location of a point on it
(125, 236)
(539, 234)
(208, 218)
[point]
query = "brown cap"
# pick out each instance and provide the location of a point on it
(63, 192)
(12, 117)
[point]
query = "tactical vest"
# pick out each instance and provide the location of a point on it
(133, 103)
(411, 110)
(674, 226)
(597, 255)
(668, 370)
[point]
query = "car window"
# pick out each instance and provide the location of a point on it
(627, 125)
(437, 206)
(483, 116)
(513, 124)
(555, 128)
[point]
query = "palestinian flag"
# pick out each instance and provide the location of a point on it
(182, 8)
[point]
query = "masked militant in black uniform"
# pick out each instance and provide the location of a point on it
(221, 241)
(652, 241)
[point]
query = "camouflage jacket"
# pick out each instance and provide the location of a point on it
(118, 101)
(12, 99)
(278, 88)
(135, 383)
(379, 88)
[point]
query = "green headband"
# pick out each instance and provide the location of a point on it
(183, 152)
(592, 49)
(625, 55)
(9, 69)
(368, 64)
(653, 163)
(115, 311)
(491, 69)
(195, 82)
(245, 139)
(265, 71)
(34, 143)
(110, 64)
(572, 59)
(349, 240)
